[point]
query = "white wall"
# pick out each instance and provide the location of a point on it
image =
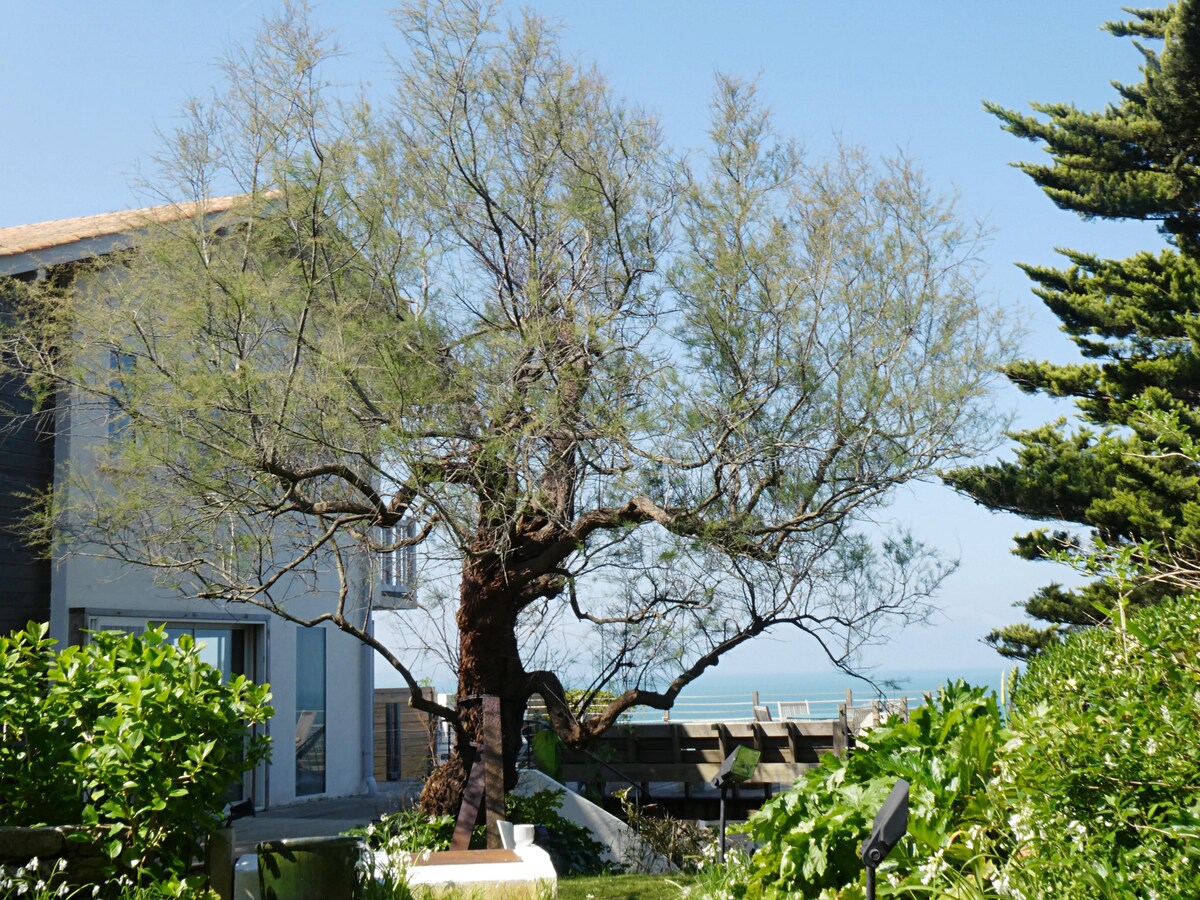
(623, 845)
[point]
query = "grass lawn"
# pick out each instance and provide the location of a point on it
(624, 887)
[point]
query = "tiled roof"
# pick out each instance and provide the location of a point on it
(45, 235)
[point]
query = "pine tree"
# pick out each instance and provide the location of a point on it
(1136, 322)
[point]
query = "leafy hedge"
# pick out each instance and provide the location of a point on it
(1091, 791)
(808, 838)
(1101, 784)
(132, 735)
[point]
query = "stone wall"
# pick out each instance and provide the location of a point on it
(78, 846)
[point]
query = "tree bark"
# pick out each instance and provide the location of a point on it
(489, 664)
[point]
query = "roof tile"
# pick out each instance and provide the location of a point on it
(44, 235)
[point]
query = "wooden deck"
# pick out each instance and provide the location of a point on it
(692, 752)
(670, 762)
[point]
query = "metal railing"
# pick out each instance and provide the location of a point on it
(770, 706)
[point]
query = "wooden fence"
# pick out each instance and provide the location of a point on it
(403, 737)
(692, 752)
(687, 753)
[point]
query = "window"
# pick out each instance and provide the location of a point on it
(222, 648)
(120, 366)
(310, 711)
(227, 648)
(396, 564)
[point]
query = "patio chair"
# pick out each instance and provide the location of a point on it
(793, 709)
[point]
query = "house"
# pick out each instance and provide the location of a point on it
(321, 679)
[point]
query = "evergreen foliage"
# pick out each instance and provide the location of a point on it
(1099, 786)
(1136, 323)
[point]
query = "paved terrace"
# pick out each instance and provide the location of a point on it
(316, 818)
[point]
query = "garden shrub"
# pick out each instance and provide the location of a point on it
(1099, 792)
(688, 846)
(808, 837)
(408, 830)
(40, 880)
(1091, 792)
(131, 735)
(571, 846)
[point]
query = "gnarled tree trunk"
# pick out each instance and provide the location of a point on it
(489, 664)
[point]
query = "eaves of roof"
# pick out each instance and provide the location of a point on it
(27, 248)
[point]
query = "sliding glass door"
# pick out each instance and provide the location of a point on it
(230, 649)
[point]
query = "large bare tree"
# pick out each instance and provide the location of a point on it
(662, 394)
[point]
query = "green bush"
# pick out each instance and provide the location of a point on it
(131, 735)
(689, 847)
(808, 838)
(571, 846)
(1099, 792)
(408, 830)
(43, 881)
(1091, 792)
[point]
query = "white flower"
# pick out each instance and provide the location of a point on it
(1004, 888)
(931, 869)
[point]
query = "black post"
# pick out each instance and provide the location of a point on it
(724, 791)
(891, 823)
(738, 766)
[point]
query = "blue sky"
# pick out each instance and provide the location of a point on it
(84, 86)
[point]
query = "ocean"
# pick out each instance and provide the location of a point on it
(731, 696)
(717, 696)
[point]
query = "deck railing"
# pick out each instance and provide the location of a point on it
(688, 744)
(769, 706)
